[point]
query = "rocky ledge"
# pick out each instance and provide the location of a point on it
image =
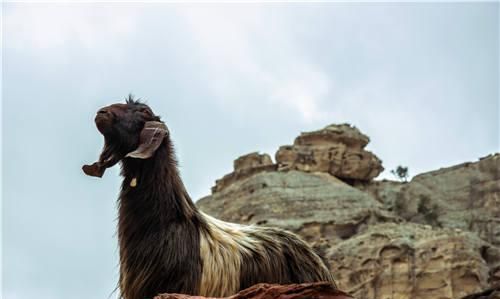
(274, 291)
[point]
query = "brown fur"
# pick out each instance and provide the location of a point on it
(167, 245)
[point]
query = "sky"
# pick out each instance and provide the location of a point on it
(421, 79)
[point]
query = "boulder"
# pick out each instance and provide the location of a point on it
(320, 290)
(335, 149)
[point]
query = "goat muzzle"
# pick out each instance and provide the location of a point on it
(104, 120)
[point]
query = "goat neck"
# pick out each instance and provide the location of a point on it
(158, 228)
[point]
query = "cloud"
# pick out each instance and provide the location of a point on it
(420, 80)
(249, 45)
(57, 27)
(243, 43)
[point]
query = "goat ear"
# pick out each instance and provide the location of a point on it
(151, 137)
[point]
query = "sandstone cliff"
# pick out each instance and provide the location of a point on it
(437, 236)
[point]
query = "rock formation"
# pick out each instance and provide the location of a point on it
(464, 196)
(270, 291)
(336, 149)
(491, 293)
(316, 206)
(410, 261)
(437, 236)
(245, 166)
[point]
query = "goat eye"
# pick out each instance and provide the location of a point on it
(145, 110)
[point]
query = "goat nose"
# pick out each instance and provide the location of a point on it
(103, 111)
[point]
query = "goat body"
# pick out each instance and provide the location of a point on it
(167, 245)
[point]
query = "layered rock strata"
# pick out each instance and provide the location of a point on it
(437, 236)
(245, 166)
(335, 149)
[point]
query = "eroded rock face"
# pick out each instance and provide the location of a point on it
(317, 206)
(336, 149)
(437, 236)
(465, 196)
(384, 239)
(491, 293)
(410, 261)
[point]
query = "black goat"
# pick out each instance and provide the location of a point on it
(166, 243)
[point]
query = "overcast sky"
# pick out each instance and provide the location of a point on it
(420, 79)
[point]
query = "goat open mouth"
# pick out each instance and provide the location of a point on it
(104, 122)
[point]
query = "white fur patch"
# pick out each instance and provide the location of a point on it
(221, 253)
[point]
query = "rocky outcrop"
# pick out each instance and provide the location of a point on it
(372, 251)
(410, 261)
(336, 149)
(465, 196)
(273, 291)
(316, 206)
(245, 166)
(491, 293)
(437, 236)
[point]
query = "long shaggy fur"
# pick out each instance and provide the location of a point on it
(168, 246)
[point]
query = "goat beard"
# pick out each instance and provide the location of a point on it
(107, 159)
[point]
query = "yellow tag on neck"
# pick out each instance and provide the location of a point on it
(133, 182)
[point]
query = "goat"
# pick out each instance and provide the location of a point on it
(166, 244)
